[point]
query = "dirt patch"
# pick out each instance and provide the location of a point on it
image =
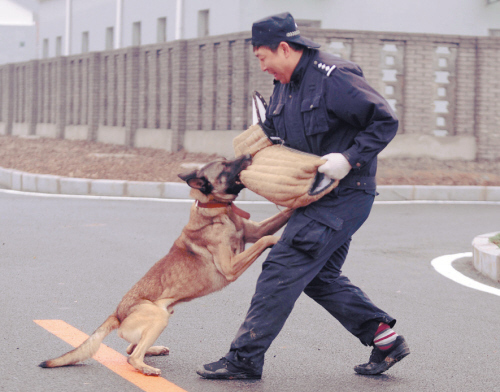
(82, 159)
(427, 171)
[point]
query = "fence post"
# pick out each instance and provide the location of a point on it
(487, 102)
(61, 97)
(32, 95)
(8, 95)
(132, 95)
(240, 94)
(94, 90)
(179, 93)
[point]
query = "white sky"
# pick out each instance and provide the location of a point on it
(13, 14)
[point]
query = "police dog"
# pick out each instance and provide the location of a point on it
(209, 254)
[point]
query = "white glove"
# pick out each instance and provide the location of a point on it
(336, 166)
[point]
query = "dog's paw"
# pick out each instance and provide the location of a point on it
(150, 371)
(143, 368)
(272, 240)
(158, 350)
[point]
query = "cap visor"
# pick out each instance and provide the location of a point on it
(308, 43)
(298, 40)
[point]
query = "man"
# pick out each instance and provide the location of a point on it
(322, 105)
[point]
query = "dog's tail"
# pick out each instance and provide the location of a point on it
(88, 348)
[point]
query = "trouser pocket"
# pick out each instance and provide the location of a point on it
(309, 230)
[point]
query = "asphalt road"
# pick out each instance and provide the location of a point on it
(73, 259)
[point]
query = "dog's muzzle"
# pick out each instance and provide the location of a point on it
(239, 164)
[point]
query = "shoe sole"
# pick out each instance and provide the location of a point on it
(226, 376)
(396, 356)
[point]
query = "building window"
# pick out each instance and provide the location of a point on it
(136, 33)
(110, 38)
(161, 30)
(494, 32)
(203, 16)
(45, 49)
(85, 42)
(58, 46)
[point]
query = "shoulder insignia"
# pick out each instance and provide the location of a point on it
(328, 69)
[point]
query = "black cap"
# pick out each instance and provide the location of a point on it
(277, 28)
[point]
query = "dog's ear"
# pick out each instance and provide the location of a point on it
(186, 176)
(197, 182)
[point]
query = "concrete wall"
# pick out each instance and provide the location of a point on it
(51, 26)
(224, 17)
(147, 13)
(195, 94)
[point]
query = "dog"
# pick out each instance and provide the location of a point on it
(208, 255)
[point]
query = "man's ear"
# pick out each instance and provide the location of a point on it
(285, 48)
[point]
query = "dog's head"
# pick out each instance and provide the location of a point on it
(219, 179)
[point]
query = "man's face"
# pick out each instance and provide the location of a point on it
(276, 63)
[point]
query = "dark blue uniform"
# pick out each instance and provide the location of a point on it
(327, 107)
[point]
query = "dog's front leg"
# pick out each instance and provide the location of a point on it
(232, 266)
(269, 226)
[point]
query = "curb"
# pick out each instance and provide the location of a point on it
(486, 256)
(46, 183)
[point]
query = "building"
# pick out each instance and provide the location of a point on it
(17, 31)
(78, 26)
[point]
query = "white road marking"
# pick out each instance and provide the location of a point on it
(62, 195)
(116, 198)
(443, 265)
(388, 202)
(395, 202)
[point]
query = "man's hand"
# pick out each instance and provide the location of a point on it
(336, 166)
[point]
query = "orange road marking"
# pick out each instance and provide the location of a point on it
(108, 357)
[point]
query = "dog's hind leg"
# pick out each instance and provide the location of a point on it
(142, 327)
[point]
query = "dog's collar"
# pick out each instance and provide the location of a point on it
(219, 204)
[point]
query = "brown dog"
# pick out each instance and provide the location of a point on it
(209, 254)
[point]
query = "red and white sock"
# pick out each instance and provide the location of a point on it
(384, 337)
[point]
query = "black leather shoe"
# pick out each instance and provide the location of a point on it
(380, 361)
(225, 370)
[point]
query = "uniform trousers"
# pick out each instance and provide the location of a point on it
(309, 258)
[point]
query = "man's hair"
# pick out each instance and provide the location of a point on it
(274, 47)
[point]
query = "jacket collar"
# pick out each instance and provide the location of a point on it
(298, 72)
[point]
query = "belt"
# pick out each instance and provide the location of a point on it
(355, 182)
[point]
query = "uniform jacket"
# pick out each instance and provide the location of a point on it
(329, 107)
